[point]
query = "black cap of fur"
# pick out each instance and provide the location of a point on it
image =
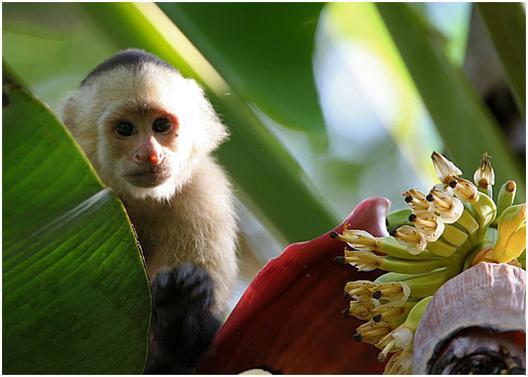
(131, 58)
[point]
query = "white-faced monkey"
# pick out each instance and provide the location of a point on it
(149, 133)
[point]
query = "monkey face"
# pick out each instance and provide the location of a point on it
(150, 151)
(143, 140)
(144, 128)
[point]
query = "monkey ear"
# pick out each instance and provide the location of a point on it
(68, 110)
(72, 116)
(214, 131)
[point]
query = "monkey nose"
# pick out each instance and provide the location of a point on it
(154, 158)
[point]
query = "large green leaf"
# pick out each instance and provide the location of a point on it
(264, 51)
(269, 180)
(506, 23)
(467, 128)
(75, 292)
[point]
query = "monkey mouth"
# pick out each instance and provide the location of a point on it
(148, 178)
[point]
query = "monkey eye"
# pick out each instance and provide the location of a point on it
(124, 129)
(162, 125)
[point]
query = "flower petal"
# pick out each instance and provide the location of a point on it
(445, 169)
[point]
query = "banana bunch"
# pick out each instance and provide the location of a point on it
(452, 227)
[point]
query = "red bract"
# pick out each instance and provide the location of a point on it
(289, 319)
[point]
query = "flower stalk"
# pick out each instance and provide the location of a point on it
(453, 227)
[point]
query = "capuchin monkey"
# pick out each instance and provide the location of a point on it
(149, 133)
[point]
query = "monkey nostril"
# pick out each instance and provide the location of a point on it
(155, 158)
(152, 159)
(136, 158)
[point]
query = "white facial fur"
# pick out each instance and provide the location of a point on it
(124, 93)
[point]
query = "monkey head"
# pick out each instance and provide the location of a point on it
(142, 124)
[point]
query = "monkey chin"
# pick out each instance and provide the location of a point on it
(160, 184)
(159, 188)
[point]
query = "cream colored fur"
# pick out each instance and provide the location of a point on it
(188, 218)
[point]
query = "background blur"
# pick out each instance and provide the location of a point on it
(328, 104)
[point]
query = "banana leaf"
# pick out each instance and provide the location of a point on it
(264, 51)
(75, 293)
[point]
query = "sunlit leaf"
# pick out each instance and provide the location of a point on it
(264, 51)
(75, 292)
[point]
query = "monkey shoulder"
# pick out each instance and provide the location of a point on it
(206, 206)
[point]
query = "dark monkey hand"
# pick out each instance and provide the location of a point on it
(183, 323)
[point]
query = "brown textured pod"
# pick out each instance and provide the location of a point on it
(475, 320)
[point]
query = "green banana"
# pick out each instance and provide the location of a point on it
(421, 285)
(468, 222)
(491, 236)
(391, 247)
(485, 209)
(505, 198)
(390, 277)
(416, 313)
(409, 267)
(454, 236)
(427, 284)
(398, 218)
(441, 248)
